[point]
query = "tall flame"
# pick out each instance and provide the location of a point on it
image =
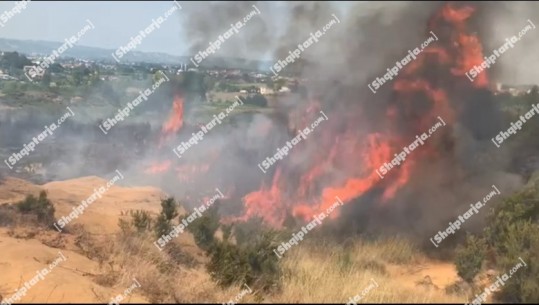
(175, 120)
(455, 53)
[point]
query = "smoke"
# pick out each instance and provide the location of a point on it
(500, 20)
(455, 168)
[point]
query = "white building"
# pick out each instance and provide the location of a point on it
(266, 91)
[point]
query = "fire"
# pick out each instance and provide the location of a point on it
(343, 164)
(470, 49)
(268, 199)
(160, 167)
(456, 53)
(175, 120)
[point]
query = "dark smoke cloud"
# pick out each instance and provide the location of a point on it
(369, 39)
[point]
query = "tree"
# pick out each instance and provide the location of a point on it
(14, 60)
(169, 208)
(141, 220)
(46, 80)
(278, 84)
(204, 228)
(469, 258)
(533, 96)
(42, 207)
(168, 212)
(157, 76)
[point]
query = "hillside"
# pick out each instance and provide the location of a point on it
(402, 273)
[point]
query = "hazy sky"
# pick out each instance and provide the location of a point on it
(115, 22)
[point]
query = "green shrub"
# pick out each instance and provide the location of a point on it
(162, 226)
(255, 265)
(513, 234)
(168, 212)
(251, 261)
(522, 243)
(246, 232)
(141, 220)
(521, 207)
(204, 228)
(169, 208)
(42, 207)
(469, 258)
(228, 264)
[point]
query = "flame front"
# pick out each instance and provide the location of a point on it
(341, 158)
(456, 53)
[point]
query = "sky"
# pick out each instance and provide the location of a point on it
(115, 23)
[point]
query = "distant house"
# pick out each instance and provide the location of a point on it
(109, 78)
(266, 91)
(7, 77)
(518, 90)
(75, 100)
(284, 89)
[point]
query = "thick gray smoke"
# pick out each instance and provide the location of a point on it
(369, 39)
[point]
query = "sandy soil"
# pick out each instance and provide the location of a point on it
(71, 281)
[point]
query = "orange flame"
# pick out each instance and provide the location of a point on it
(175, 120)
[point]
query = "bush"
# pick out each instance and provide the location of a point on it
(163, 221)
(169, 208)
(162, 226)
(141, 220)
(227, 265)
(255, 265)
(521, 207)
(522, 243)
(204, 228)
(469, 258)
(513, 234)
(42, 207)
(246, 232)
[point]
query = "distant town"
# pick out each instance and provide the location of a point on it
(68, 79)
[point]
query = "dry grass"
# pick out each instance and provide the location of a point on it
(313, 271)
(317, 273)
(163, 277)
